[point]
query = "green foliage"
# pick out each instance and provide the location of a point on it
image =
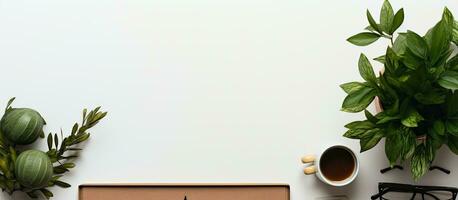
(416, 90)
(364, 39)
(61, 153)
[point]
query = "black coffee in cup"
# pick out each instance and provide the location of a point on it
(337, 164)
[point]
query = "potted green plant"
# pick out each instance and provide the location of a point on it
(416, 91)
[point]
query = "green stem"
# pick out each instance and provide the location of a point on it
(390, 37)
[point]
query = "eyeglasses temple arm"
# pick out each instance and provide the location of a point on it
(381, 192)
(440, 169)
(391, 168)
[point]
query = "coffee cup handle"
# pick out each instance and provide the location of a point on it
(310, 170)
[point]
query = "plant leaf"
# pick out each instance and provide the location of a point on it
(380, 59)
(419, 162)
(416, 44)
(369, 141)
(412, 118)
(351, 87)
(386, 16)
(372, 22)
(82, 138)
(365, 69)
(437, 140)
(363, 39)
(449, 80)
(50, 141)
(451, 105)
(452, 144)
(411, 61)
(369, 28)
(439, 127)
(62, 184)
(455, 33)
(56, 141)
(440, 38)
(431, 97)
(409, 144)
(74, 129)
(360, 125)
(451, 127)
(59, 170)
(400, 44)
(389, 97)
(355, 133)
(48, 194)
(397, 21)
(360, 129)
(452, 63)
(383, 119)
(8, 105)
(447, 17)
(393, 147)
(430, 150)
(370, 117)
(84, 116)
(391, 61)
(68, 165)
(358, 100)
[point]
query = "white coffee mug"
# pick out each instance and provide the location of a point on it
(316, 167)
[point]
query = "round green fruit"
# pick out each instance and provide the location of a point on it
(22, 125)
(33, 169)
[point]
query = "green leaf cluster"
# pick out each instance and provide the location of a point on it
(416, 90)
(61, 150)
(389, 23)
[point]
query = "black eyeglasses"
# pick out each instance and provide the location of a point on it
(431, 168)
(396, 191)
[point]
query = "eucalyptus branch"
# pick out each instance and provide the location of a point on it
(57, 151)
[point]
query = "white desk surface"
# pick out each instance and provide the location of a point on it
(200, 91)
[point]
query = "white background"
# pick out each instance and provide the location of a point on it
(202, 90)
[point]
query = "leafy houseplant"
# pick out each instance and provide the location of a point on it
(416, 91)
(33, 171)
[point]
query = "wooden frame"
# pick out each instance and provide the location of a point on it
(164, 191)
